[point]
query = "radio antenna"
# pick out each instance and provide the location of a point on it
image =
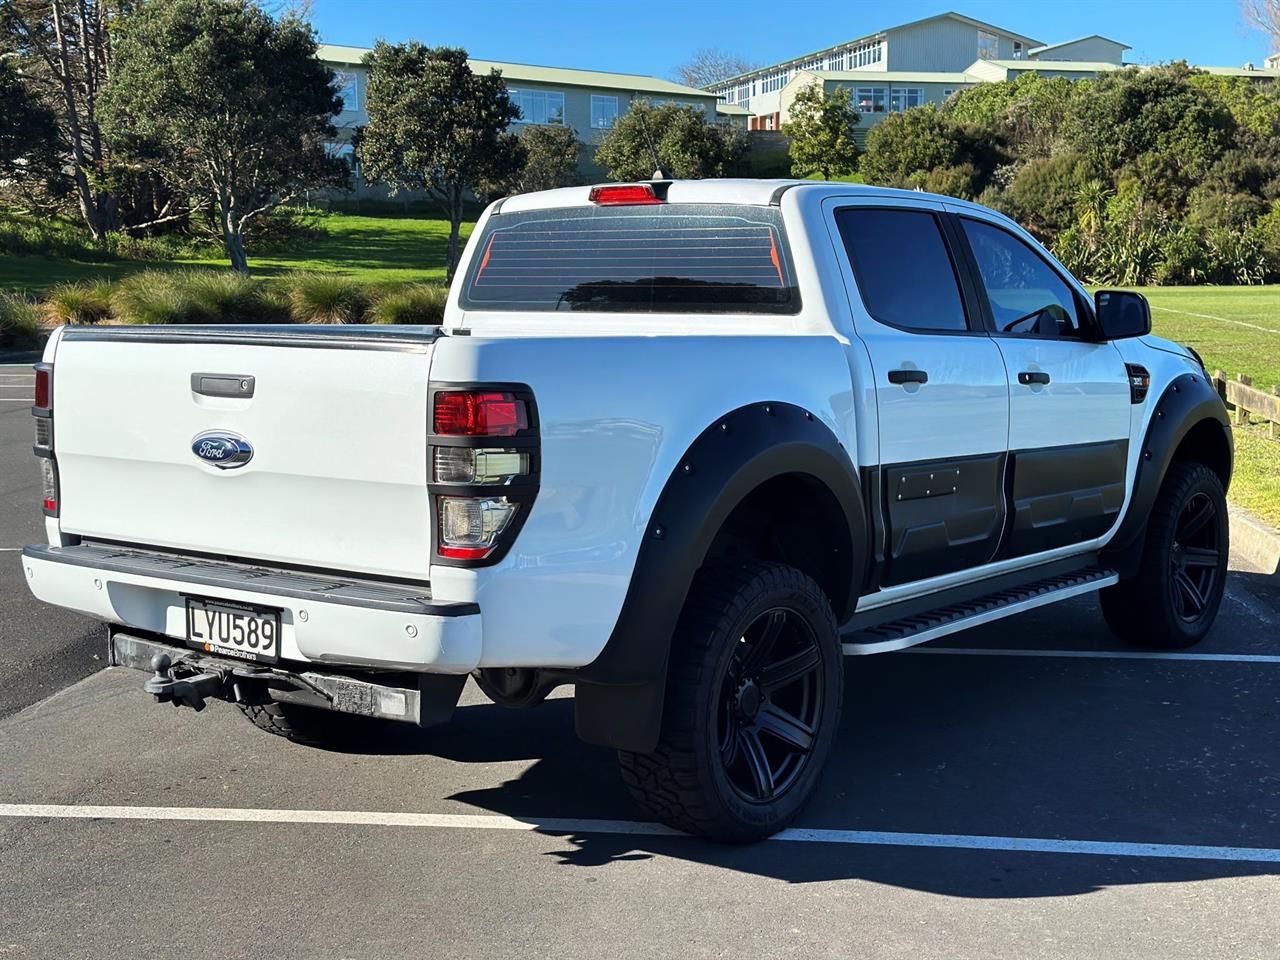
(658, 172)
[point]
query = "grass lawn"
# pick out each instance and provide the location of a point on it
(370, 249)
(1255, 484)
(1235, 329)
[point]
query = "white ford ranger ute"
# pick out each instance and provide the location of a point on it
(682, 445)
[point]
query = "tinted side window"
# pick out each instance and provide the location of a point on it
(903, 268)
(1027, 296)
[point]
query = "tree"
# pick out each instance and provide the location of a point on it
(551, 153)
(1263, 16)
(28, 129)
(687, 145)
(65, 50)
(232, 106)
(922, 148)
(710, 65)
(821, 132)
(434, 125)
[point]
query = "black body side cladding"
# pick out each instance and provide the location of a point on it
(1188, 403)
(619, 696)
(1064, 495)
(943, 515)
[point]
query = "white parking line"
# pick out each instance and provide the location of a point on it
(556, 825)
(1100, 654)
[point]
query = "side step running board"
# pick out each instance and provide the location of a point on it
(932, 624)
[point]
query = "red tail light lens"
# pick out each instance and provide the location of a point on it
(465, 413)
(44, 387)
(625, 194)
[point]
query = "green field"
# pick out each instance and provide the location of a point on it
(370, 249)
(1235, 329)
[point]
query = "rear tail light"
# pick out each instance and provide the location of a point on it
(475, 524)
(42, 410)
(475, 413)
(49, 485)
(44, 386)
(470, 526)
(468, 465)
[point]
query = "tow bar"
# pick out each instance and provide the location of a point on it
(189, 691)
(190, 678)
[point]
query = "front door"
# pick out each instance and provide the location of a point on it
(1068, 395)
(941, 395)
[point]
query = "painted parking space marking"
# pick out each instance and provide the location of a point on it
(559, 825)
(1099, 654)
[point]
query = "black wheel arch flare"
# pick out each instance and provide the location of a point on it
(619, 696)
(1186, 403)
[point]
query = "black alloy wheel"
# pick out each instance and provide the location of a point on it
(770, 705)
(1194, 559)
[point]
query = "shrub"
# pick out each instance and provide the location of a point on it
(419, 303)
(78, 303)
(194, 296)
(1043, 192)
(19, 323)
(223, 296)
(327, 298)
(1236, 256)
(1183, 258)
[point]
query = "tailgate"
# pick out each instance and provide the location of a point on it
(336, 423)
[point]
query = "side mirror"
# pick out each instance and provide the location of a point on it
(1122, 314)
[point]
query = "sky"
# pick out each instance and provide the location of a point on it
(650, 38)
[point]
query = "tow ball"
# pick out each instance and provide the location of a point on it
(186, 691)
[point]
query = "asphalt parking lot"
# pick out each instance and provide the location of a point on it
(1031, 789)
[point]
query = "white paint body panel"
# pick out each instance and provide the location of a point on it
(338, 475)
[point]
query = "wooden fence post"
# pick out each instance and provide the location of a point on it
(1242, 415)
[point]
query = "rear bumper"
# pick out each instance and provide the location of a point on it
(324, 619)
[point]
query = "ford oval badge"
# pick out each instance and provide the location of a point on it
(224, 450)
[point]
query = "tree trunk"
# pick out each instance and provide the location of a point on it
(232, 237)
(455, 230)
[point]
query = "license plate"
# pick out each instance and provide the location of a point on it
(233, 629)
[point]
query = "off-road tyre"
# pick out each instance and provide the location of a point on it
(1173, 599)
(693, 780)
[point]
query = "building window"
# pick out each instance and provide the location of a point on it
(1017, 49)
(871, 99)
(348, 86)
(988, 46)
(865, 54)
(604, 110)
(904, 98)
(539, 106)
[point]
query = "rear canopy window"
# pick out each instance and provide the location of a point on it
(678, 258)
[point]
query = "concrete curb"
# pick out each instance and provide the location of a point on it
(1254, 540)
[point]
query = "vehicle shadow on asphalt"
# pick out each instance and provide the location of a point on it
(1126, 751)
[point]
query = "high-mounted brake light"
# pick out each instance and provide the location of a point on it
(624, 195)
(467, 413)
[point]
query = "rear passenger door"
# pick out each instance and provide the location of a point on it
(941, 396)
(1068, 393)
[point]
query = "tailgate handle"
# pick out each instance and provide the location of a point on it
(222, 384)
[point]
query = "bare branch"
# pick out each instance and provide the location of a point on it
(709, 65)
